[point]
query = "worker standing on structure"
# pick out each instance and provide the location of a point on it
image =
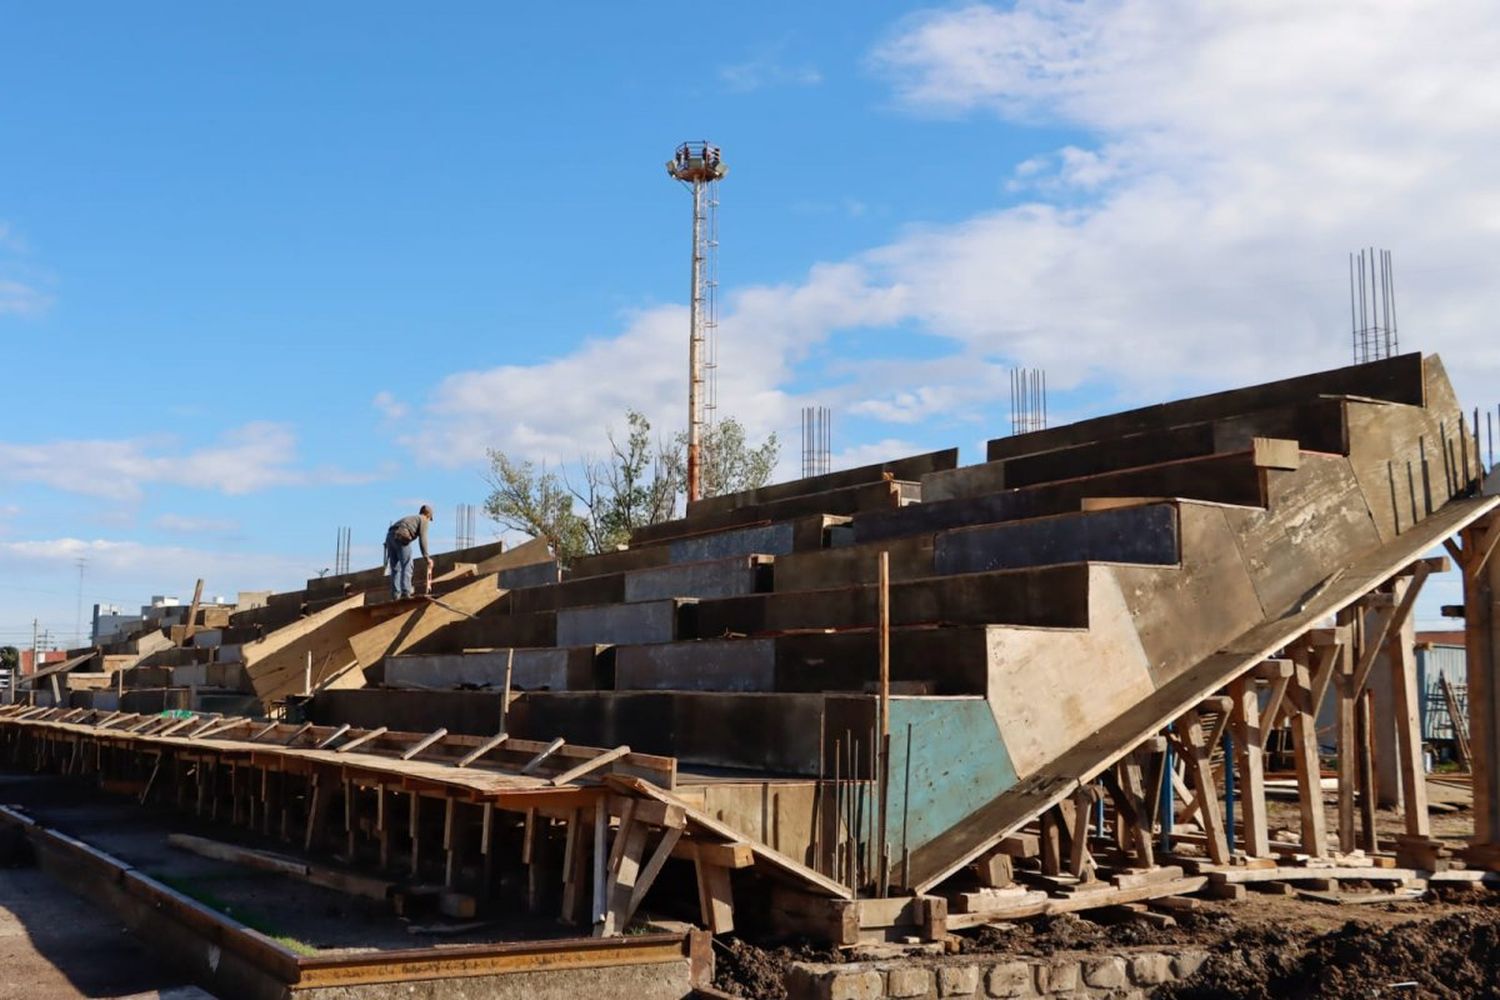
(398, 557)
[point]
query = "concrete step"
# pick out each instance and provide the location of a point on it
(910, 469)
(1238, 479)
(737, 574)
(1055, 596)
(618, 624)
(492, 630)
(883, 495)
(1141, 535)
(943, 661)
(1316, 425)
(1398, 380)
(800, 534)
(577, 668)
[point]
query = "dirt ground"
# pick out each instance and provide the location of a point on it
(1265, 948)
(54, 946)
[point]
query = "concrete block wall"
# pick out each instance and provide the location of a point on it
(1124, 976)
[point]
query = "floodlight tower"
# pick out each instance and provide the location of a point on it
(700, 166)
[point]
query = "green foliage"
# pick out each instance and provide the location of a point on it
(10, 658)
(638, 483)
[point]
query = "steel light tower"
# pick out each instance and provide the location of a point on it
(700, 166)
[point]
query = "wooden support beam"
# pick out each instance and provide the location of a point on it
(1345, 746)
(630, 846)
(1364, 736)
(1250, 767)
(715, 897)
(424, 743)
(1389, 624)
(1305, 756)
(1080, 862)
(643, 882)
(362, 739)
(547, 751)
(191, 625)
(1483, 549)
(1407, 711)
(298, 734)
(1191, 733)
(262, 732)
(1269, 717)
(333, 737)
(589, 766)
(736, 854)
(490, 744)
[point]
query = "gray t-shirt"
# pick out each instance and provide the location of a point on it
(409, 528)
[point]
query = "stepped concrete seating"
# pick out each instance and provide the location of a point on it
(1053, 607)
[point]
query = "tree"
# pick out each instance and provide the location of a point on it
(637, 484)
(10, 659)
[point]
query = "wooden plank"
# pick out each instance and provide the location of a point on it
(362, 739)
(191, 625)
(588, 766)
(542, 755)
(1268, 718)
(333, 737)
(424, 743)
(482, 749)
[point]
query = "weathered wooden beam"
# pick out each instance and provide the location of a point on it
(333, 737)
(547, 751)
(589, 766)
(362, 739)
(424, 743)
(482, 749)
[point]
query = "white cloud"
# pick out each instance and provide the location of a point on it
(196, 525)
(389, 406)
(256, 456)
(20, 299)
(1192, 235)
(769, 67)
(157, 568)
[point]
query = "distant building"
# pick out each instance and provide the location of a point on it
(112, 625)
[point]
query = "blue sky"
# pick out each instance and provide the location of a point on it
(270, 270)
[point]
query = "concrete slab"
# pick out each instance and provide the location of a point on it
(551, 669)
(534, 575)
(729, 577)
(1125, 535)
(620, 624)
(800, 535)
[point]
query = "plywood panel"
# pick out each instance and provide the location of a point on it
(1052, 688)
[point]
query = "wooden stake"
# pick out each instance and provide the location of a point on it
(1305, 757)
(1251, 766)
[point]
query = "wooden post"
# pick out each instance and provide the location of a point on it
(190, 626)
(1305, 757)
(510, 659)
(1196, 757)
(1364, 735)
(1251, 766)
(1348, 759)
(1408, 734)
(1481, 576)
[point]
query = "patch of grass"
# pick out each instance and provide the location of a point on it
(250, 918)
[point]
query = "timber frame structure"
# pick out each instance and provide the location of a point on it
(890, 702)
